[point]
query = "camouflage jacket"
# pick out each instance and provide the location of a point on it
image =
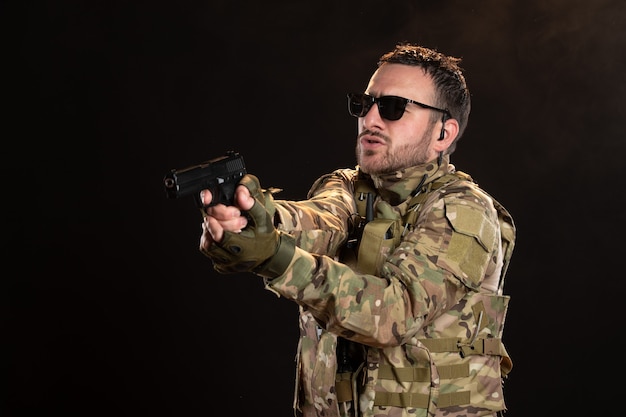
(425, 325)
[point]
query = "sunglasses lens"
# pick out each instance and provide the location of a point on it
(358, 105)
(391, 108)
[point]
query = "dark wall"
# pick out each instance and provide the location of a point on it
(108, 308)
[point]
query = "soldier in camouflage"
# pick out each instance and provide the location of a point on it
(397, 265)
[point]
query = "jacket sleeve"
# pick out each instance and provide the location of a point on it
(321, 224)
(433, 267)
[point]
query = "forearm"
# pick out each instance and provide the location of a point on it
(371, 310)
(387, 310)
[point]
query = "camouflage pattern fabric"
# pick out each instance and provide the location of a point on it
(430, 320)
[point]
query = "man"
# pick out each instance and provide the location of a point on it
(397, 265)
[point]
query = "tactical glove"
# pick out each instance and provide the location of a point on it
(258, 248)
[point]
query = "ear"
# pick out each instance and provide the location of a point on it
(450, 132)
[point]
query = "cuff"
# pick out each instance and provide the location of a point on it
(278, 264)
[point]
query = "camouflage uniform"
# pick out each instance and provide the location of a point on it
(427, 320)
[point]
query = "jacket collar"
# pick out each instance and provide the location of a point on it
(400, 185)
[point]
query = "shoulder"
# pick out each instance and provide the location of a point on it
(467, 193)
(342, 178)
(473, 217)
(471, 209)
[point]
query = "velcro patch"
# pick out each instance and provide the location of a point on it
(473, 240)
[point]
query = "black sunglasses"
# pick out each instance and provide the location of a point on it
(389, 107)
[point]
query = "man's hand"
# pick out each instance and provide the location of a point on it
(238, 243)
(220, 218)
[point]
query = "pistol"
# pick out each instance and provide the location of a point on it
(219, 175)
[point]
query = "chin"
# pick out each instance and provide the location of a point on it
(369, 167)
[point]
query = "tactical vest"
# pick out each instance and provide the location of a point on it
(374, 239)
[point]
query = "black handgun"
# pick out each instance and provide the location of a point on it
(219, 175)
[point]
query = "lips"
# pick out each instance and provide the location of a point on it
(368, 141)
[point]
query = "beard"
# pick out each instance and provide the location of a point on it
(393, 159)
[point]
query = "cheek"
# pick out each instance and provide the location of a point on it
(413, 131)
(406, 133)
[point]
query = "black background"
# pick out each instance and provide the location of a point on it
(109, 309)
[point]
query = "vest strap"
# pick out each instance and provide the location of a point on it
(489, 346)
(417, 400)
(411, 374)
(453, 398)
(422, 374)
(402, 399)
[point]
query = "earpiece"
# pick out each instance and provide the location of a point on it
(443, 125)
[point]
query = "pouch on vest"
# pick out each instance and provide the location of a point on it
(380, 237)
